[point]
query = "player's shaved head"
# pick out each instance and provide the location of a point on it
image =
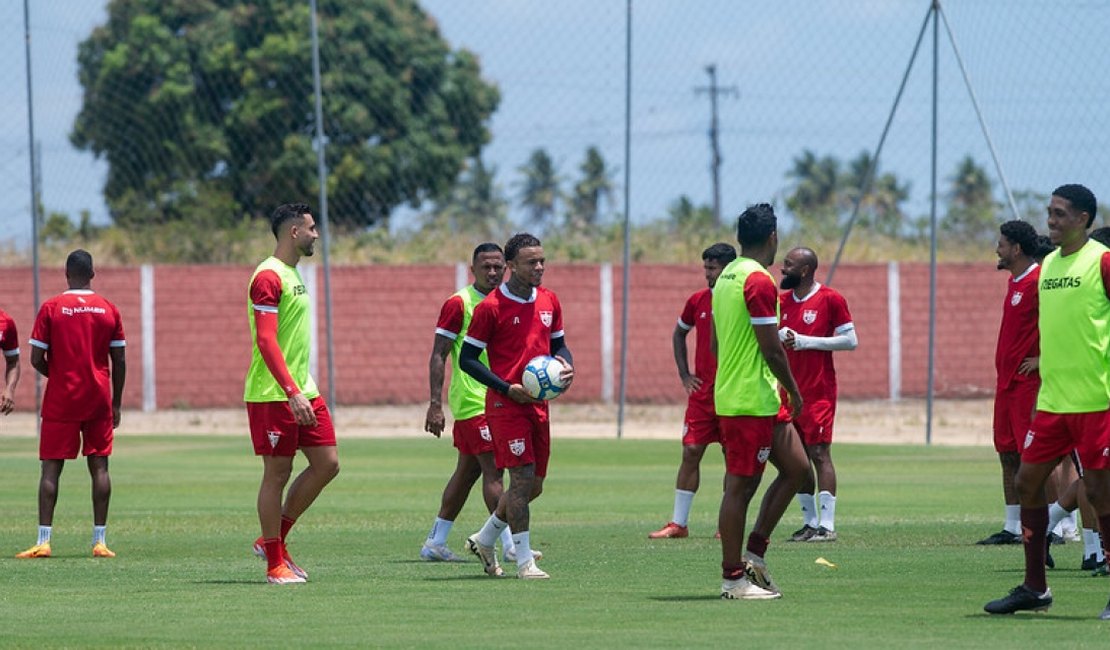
(79, 266)
(805, 256)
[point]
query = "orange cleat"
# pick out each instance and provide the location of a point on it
(282, 575)
(100, 549)
(671, 530)
(38, 550)
(260, 550)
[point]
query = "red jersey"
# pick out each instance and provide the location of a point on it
(512, 330)
(824, 313)
(76, 329)
(1018, 336)
(698, 315)
(9, 337)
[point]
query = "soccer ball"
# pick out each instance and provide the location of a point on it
(541, 377)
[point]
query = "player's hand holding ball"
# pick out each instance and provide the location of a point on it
(546, 377)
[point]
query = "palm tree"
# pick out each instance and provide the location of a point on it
(815, 183)
(476, 202)
(971, 205)
(881, 209)
(539, 190)
(596, 184)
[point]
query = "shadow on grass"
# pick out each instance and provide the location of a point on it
(1030, 616)
(228, 582)
(684, 599)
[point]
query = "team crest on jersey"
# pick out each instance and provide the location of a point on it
(484, 432)
(274, 437)
(809, 316)
(1028, 438)
(764, 454)
(1015, 299)
(545, 318)
(517, 446)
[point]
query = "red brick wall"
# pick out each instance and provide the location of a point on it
(384, 318)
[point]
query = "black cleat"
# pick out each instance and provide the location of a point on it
(1048, 561)
(802, 534)
(1053, 538)
(1020, 598)
(1001, 537)
(1090, 563)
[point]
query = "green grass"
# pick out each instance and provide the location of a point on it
(908, 573)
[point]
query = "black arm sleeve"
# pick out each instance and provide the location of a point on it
(473, 366)
(559, 349)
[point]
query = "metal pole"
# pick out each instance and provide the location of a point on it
(322, 175)
(979, 113)
(870, 176)
(713, 135)
(627, 213)
(933, 237)
(34, 180)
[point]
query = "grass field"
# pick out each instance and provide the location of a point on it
(908, 573)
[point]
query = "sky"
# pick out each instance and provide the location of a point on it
(821, 76)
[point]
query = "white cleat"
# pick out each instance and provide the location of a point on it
(755, 570)
(486, 554)
(509, 557)
(742, 589)
(438, 553)
(530, 571)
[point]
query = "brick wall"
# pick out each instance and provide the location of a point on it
(384, 317)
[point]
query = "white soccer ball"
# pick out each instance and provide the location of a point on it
(541, 378)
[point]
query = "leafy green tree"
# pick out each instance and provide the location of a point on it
(212, 98)
(476, 203)
(539, 189)
(816, 181)
(881, 208)
(596, 184)
(972, 211)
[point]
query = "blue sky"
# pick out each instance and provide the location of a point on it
(810, 75)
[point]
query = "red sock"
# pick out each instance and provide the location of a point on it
(286, 524)
(274, 555)
(757, 544)
(1034, 521)
(732, 571)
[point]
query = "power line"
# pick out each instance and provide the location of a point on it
(713, 90)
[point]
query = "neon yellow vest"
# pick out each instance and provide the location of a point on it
(466, 395)
(294, 338)
(1074, 320)
(745, 384)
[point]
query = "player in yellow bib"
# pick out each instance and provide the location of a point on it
(284, 407)
(1073, 405)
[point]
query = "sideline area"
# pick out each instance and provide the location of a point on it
(955, 422)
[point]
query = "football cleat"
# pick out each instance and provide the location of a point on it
(1101, 570)
(755, 569)
(743, 589)
(438, 553)
(38, 550)
(671, 530)
(1019, 599)
(1090, 563)
(260, 550)
(283, 575)
(802, 534)
(530, 571)
(510, 556)
(100, 549)
(486, 554)
(1105, 615)
(1001, 537)
(822, 534)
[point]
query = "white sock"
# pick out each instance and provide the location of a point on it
(1068, 525)
(683, 499)
(828, 509)
(437, 536)
(1056, 514)
(1092, 545)
(44, 535)
(507, 543)
(491, 530)
(523, 544)
(98, 534)
(1013, 519)
(809, 510)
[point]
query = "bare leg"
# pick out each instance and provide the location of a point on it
(1010, 461)
(492, 482)
(739, 491)
(323, 466)
(48, 490)
(822, 463)
(689, 470)
(101, 488)
(275, 474)
(513, 507)
(788, 457)
(458, 486)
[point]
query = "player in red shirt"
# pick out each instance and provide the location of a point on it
(700, 426)
(518, 321)
(77, 342)
(9, 345)
(815, 322)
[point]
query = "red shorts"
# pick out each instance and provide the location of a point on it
(472, 436)
(1013, 412)
(747, 443)
(521, 436)
(700, 426)
(59, 439)
(815, 423)
(1052, 435)
(275, 432)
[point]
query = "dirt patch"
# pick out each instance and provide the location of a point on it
(954, 422)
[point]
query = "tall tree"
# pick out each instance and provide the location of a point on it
(213, 98)
(816, 181)
(476, 203)
(881, 208)
(539, 189)
(596, 183)
(972, 210)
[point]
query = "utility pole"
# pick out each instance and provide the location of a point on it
(713, 90)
